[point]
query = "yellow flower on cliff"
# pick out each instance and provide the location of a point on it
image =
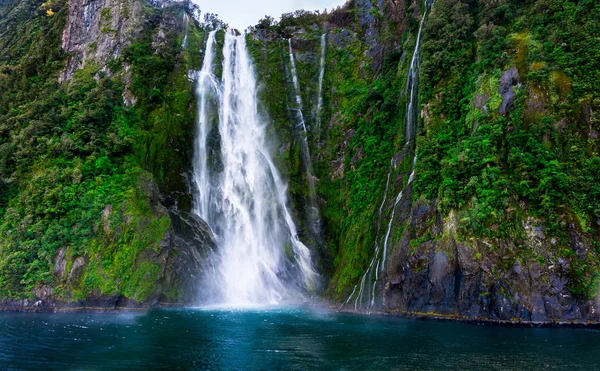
(49, 13)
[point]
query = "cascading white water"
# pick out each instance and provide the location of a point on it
(296, 86)
(366, 293)
(259, 258)
(411, 178)
(412, 83)
(320, 92)
(368, 276)
(186, 22)
(208, 92)
(313, 214)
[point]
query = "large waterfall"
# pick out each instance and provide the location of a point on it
(367, 286)
(259, 258)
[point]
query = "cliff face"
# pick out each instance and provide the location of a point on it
(94, 204)
(98, 31)
(445, 274)
(481, 205)
(499, 219)
(497, 228)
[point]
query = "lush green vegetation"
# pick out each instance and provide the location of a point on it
(540, 160)
(494, 173)
(361, 119)
(69, 151)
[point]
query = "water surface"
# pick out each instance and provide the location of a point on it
(284, 338)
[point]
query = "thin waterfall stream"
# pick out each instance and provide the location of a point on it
(313, 213)
(259, 257)
(186, 22)
(367, 287)
(319, 109)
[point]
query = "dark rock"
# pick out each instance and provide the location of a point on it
(553, 307)
(184, 251)
(342, 39)
(538, 309)
(508, 79)
(60, 262)
(501, 307)
(481, 102)
(473, 281)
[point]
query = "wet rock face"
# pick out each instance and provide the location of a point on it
(163, 3)
(183, 252)
(473, 281)
(368, 22)
(508, 79)
(99, 30)
(481, 102)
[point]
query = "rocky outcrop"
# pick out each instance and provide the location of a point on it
(508, 79)
(98, 31)
(183, 253)
(479, 279)
(181, 256)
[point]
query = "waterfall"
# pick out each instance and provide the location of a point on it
(208, 91)
(365, 287)
(296, 86)
(412, 83)
(320, 92)
(366, 293)
(186, 22)
(259, 258)
(411, 178)
(313, 213)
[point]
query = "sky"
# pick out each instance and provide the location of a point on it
(243, 13)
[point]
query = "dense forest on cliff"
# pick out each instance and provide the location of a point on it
(502, 219)
(72, 148)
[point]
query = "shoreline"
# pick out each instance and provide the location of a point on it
(477, 321)
(69, 308)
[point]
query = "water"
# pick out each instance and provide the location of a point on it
(366, 294)
(412, 85)
(313, 209)
(367, 291)
(208, 91)
(290, 339)
(320, 89)
(240, 194)
(296, 86)
(186, 22)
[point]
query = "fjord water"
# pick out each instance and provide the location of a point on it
(290, 339)
(240, 193)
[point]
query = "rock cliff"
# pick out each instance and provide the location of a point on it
(98, 31)
(118, 231)
(492, 227)
(482, 204)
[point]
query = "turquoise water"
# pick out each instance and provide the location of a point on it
(290, 339)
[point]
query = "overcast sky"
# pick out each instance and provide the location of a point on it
(243, 13)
